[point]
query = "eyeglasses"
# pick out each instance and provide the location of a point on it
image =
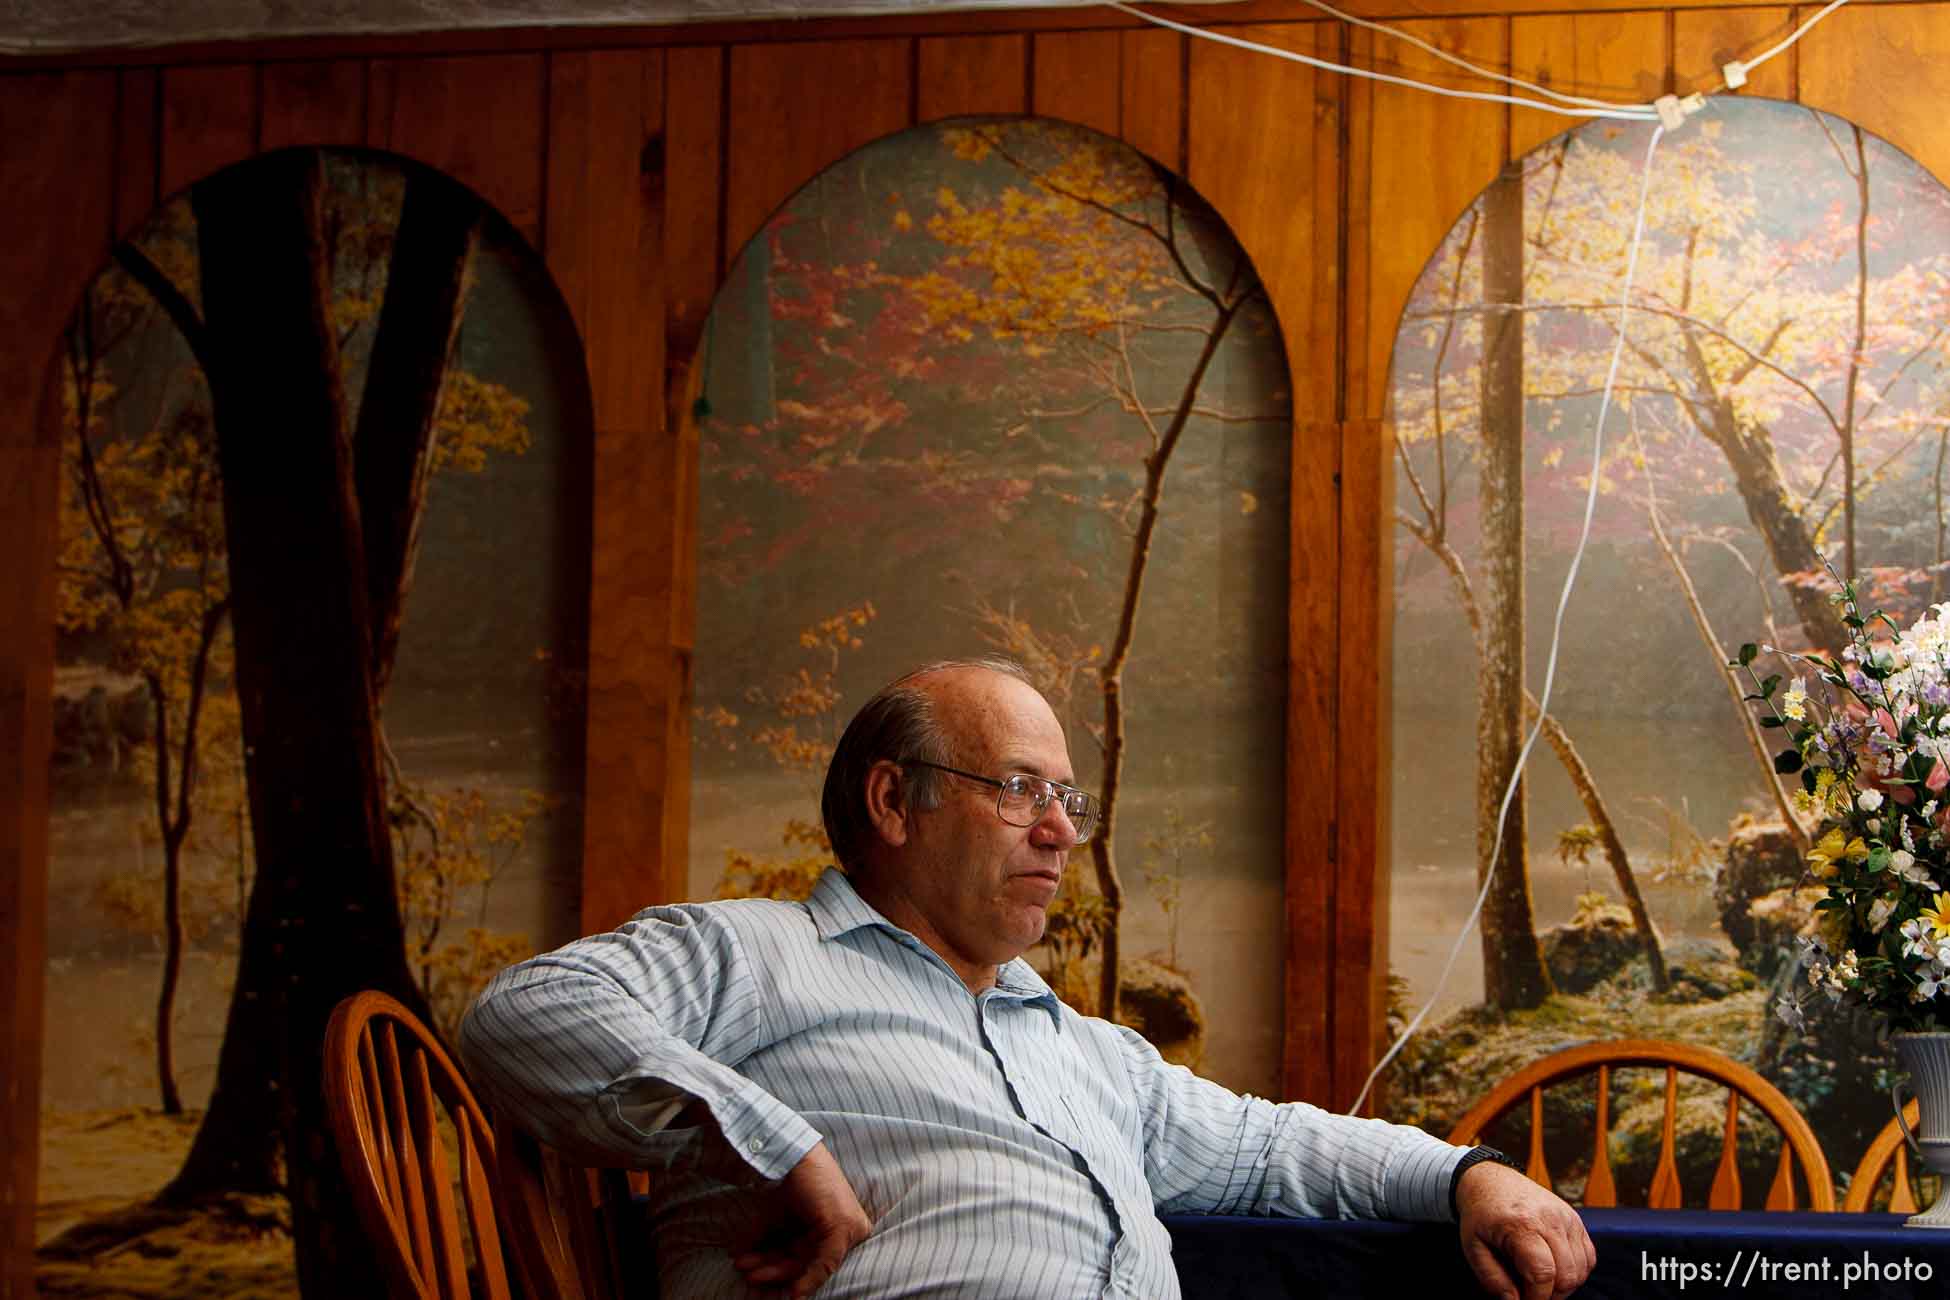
(1022, 799)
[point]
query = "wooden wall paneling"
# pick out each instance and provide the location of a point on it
(694, 251)
(1263, 182)
(1619, 58)
(138, 147)
(1888, 71)
(477, 118)
(694, 259)
(605, 248)
(209, 120)
(1427, 158)
(797, 109)
(1418, 160)
(317, 102)
(1075, 76)
(1152, 94)
(1704, 39)
(54, 233)
(961, 76)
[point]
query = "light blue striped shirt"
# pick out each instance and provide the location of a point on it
(1003, 1145)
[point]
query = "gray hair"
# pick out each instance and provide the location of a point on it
(898, 725)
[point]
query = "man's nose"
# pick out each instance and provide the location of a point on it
(1054, 827)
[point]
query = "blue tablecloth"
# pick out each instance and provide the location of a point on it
(1679, 1253)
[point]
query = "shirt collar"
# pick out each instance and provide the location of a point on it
(837, 909)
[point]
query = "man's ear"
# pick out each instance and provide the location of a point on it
(887, 805)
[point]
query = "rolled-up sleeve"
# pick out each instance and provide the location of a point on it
(594, 1046)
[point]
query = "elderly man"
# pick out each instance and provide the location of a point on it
(876, 1096)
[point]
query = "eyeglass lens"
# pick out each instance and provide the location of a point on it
(1023, 800)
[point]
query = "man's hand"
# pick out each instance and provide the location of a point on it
(823, 1222)
(1519, 1238)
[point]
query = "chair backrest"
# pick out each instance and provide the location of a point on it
(388, 1086)
(1888, 1148)
(1797, 1139)
(576, 1233)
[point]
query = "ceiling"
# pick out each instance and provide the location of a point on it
(54, 26)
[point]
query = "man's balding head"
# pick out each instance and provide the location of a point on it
(903, 723)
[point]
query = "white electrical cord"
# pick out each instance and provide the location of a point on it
(1557, 626)
(1632, 112)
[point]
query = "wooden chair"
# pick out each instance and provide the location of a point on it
(388, 1088)
(1888, 1148)
(576, 1233)
(1797, 1139)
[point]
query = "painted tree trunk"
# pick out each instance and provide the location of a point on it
(393, 444)
(323, 919)
(1514, 974)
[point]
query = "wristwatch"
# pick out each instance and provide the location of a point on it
(1471, 1158)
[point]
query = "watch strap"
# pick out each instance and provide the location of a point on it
(1471, 1158)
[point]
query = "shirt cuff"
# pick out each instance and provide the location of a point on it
(761, 1130)
(1417, 1181)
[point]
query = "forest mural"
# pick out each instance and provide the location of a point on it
(301, 747)
(1779, 421)
(1007, 386)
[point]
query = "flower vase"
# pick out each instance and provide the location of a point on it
(1927, 1059)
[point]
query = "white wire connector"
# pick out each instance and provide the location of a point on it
(1673, 111)
(1734, 73)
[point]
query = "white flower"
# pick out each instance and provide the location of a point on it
(1925, 988)
(1879, 913)
(1873, 825)
(1790, 1013)
(1869, 800)
(1795, 703)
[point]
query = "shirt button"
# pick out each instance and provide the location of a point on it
(757, 1145)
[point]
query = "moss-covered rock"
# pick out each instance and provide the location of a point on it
(1761, 857)
(1591, 947)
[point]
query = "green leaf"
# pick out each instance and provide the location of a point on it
(1767, 686)
(1829, 904)
(1747, 653)
(1773, 722)
(1788, 760)
(1878, 859)
(1808, 779)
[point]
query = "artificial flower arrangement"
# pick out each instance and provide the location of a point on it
(1870, 741)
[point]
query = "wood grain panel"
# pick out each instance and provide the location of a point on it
(964, 75)
(1153, 94)
(62, 166)
(1704, 39)
(138, 148)
(1359, 986)
(1427, 158)
(1618, 58)
(1888, 70)
(606, 247)
(1262, 181)
(1417, 161)
(694, 253)
(1258, 180)
(478, 119)
(1076, 77)
(320, 102)
(209, 120)
(569, 248)
(797, 109)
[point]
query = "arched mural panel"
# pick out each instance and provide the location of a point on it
(931, 387)
(478, 671)
(1779, 402)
